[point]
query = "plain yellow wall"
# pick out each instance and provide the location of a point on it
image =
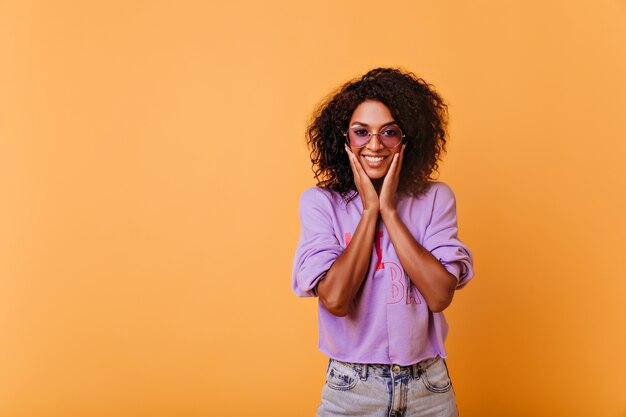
(151, 160)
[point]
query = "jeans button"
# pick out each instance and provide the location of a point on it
(396, 369)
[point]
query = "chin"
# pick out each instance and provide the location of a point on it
(377, 175)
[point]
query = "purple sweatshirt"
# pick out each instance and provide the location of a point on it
(389, 321)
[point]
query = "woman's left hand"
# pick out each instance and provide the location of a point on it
(390, 183)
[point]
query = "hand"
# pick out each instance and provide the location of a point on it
(364, 185)
(390, 183)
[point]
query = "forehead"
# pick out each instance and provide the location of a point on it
(371, 113)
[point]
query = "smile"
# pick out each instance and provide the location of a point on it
(374, 158)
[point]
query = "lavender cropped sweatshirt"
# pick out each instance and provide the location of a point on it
(389, 321)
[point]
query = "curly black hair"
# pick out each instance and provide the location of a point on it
(420, 112)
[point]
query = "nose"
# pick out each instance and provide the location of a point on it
(375, 143)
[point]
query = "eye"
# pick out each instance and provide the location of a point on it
(360, 132)
(392, 132)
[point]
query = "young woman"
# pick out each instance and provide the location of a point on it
(379, 247)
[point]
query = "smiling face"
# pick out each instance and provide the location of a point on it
(375, 158)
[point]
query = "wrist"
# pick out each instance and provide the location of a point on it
(388, 213)
(371, 206)
(387, 203)
(370, 213)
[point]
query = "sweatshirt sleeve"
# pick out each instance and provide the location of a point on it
(441, 237)
(318, 247)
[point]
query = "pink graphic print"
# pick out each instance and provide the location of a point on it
(401, 288)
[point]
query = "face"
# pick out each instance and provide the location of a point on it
(375, 157)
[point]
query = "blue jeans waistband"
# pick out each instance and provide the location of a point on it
(385, 370)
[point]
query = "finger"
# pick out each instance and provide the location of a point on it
(396, 164)
(353, 161)
(393, 169)
(359, 175)
(359, 167)
(390, 182)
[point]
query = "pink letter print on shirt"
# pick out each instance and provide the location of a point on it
(401, 286)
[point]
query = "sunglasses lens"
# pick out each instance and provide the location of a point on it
(391, 136)
(358, 137)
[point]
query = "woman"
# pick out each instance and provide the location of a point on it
(379, 247)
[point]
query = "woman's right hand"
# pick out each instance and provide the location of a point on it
(363, 183)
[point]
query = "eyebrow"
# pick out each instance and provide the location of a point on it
(393, 122)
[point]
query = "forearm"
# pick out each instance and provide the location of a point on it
(345, 276)
(431, 278)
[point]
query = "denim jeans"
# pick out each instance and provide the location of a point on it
(372, 390)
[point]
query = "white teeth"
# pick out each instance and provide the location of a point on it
(374, 158)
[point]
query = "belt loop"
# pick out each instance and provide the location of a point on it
(363, 372)
(416, 370)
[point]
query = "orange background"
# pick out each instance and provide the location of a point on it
(151, 160)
